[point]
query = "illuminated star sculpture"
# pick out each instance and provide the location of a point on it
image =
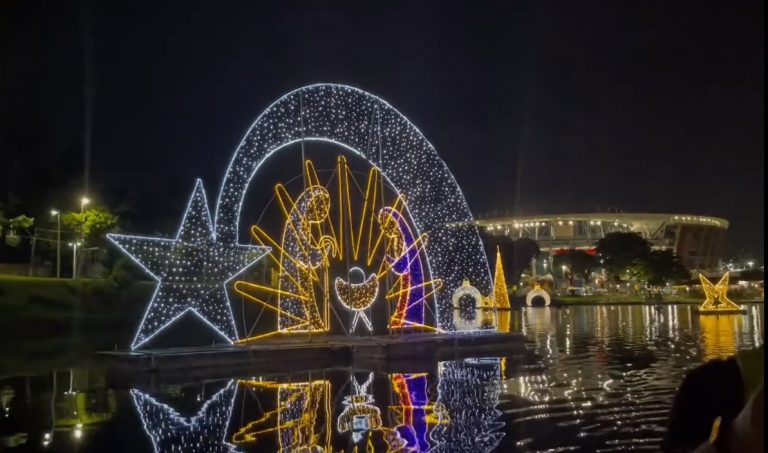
(191, 270)
(715, 293)
(171, 432)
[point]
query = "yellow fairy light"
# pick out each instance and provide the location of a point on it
(500, 293)
(322, 229)
(716, 296)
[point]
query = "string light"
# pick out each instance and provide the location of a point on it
(319, 231)
(373, 129)
(192, 271)
(170, 432)
(359, 416)
(412, 417)
(463, 418)
(716, 296)
(406, 263)
(500, 293)
(357, 296)
(295, 418)
(537, 291)
(468, 319)
(468, 393)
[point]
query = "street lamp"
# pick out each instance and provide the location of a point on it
(74, 246)
(544, 263)
(57, 213)
(564, 267)
(83, 202)
(750, 264)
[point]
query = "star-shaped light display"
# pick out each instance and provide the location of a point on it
(192, 271)
(717, 295)
(170, 432)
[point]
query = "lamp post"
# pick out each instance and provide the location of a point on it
(74, 246)
(57, 213)
(563, 267)
(83, 202)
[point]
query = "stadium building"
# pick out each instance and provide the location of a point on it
(698, 240)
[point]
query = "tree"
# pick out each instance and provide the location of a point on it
(10, 228)
(661, 266)
(578, 262)
(92, 224)
(500, 291)
(516, 255)
(622, 253)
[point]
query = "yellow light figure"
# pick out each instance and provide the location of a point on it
(717, 301)
(500, 293)
(321, 229)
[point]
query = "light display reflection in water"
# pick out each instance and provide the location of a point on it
(603, 380)
(368, 412)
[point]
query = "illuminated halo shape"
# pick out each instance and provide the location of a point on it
(373, 129)
(537, 292)
(463, 324)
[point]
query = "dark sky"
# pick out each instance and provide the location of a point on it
(535, 106)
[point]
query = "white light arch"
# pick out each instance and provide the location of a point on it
(537, 292)
(373, 129)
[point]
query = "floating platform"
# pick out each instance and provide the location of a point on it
(730, 311)
(298, 354)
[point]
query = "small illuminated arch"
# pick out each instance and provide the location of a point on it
(373, 129)
(537, 292)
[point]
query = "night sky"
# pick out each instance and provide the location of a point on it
(536, 107)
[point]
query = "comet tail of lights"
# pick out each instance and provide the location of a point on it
(170, 432)
(716, 297)
(339, 226)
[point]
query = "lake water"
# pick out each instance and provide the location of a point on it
(603, 380)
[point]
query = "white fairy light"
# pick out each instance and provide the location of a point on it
(357, 296)
(373, 129)
(170, 432)
(468, 393)
(192, 271)
(469, 318)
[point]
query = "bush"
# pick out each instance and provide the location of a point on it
(124, 272)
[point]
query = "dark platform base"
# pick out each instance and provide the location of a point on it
(415, 352)
(735, 311)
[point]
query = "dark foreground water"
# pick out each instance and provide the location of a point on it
(603, 381)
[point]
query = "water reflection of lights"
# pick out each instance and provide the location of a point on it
(359, 416)
(300, 418)
(169, 431)
(77, 433)
(469, 391)
(619, 375)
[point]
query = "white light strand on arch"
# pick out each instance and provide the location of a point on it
(376, 131)
(192, 271)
